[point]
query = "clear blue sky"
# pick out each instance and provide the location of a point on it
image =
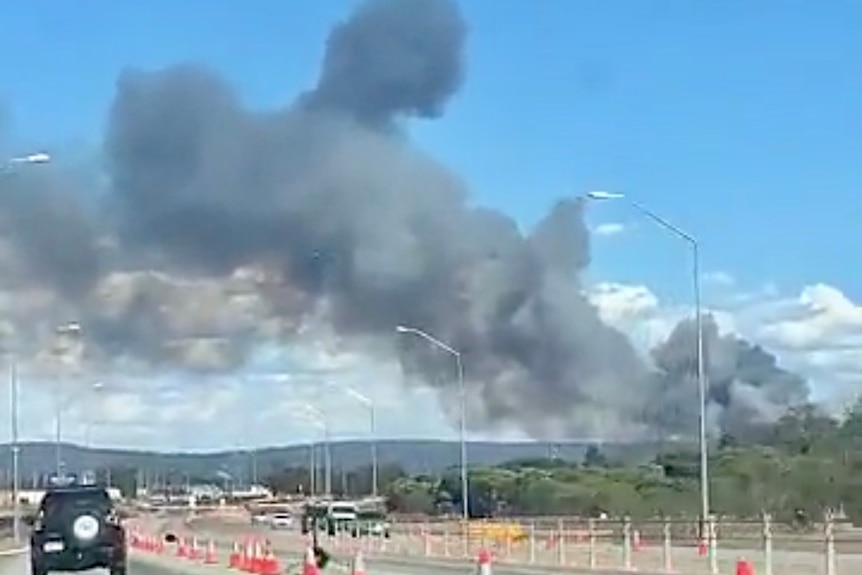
(740, 120)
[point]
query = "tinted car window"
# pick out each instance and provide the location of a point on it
(65, 502)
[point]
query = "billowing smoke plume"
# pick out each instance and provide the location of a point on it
(225, 228)
(746, 385)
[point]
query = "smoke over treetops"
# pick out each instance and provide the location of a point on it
(225, 228)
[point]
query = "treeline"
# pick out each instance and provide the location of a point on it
(798, 466)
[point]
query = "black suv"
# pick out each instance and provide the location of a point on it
(77, 528)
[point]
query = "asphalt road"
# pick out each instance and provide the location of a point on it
(19, 564)
(12, 563)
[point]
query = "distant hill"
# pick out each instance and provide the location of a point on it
(415, 456)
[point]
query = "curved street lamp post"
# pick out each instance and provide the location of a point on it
(701, 368)
(465, 492)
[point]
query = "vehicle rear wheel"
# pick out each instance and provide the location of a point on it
(118, 569)
(36, 569)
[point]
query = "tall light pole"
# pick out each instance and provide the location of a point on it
(312, 468)
(16, 450)
(71, 330)
(701, 368)
(88, 430)
(320, 420)
(14, 396)
(465, 492)
(249, 450)
(369, 404)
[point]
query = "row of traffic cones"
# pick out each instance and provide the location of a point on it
(192, 550)
(255, 557)
(145, 542)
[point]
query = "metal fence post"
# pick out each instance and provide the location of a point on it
(532, 551)
(627, 542)
(465, 539)
(591, 544)
(667, 547)
(561, 542)
(713, 545)
(829, 541)
(767, 544)
(445, 540)
(426, 539)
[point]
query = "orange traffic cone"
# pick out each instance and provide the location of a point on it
(637, 544)
(702, 548)
(310, 565)
(358, 566)
(235, 557)
(483, 562)
(194, 551)
(248, 556)
(244, 556)
(269, 564)
(182, 549)
(744, 567)
(257, 559)
(211, 556)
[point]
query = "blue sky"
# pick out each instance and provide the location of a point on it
(739, 120)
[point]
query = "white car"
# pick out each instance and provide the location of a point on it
(281, 521)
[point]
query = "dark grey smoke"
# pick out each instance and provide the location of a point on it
(354, 227)
(747, 387)
(51, 231)
(393, 58)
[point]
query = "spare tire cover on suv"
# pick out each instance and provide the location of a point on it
(79, 517)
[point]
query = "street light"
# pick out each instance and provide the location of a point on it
(369, 404)
(16, 450)
(319, 418)
(701, 368)
(71, 329)
(465, 492)
(245, 441)
(36, 158)
(63, 402)
(88, 430)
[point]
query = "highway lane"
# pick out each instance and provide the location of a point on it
(19, 564)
